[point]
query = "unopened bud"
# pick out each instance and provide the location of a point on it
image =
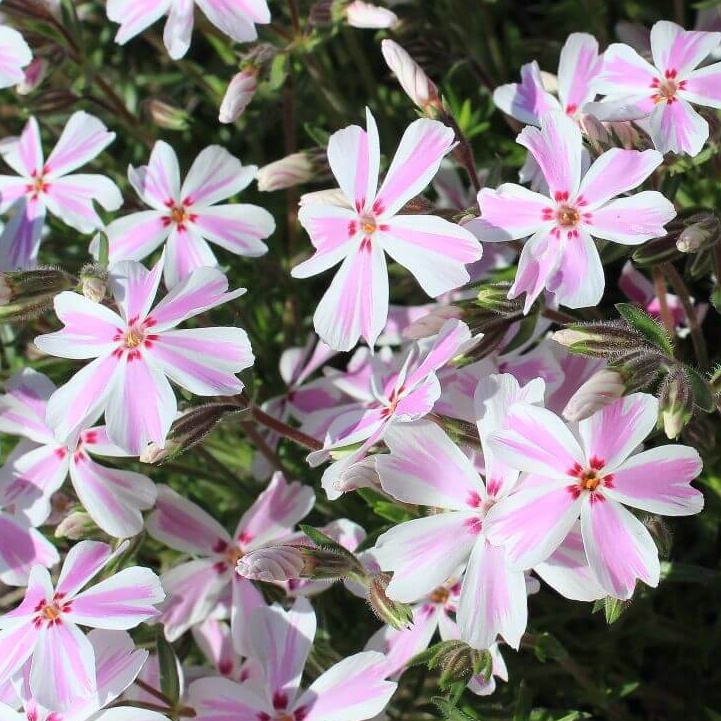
(272, 564)
(287, 172)
(494, 297)
(76, 526)
(153, 453)
(365, 15)
(34, 75)
(321, 14)
(639, 369)
(94, 282)
(700, 235)
(675, 402)
(658, 250)
(431, 324)
(661, 534)
(607, 339)
(238, 95)
(599, 391)
(414, 81)
(457, 661)
(25, 294)
(360, 475)
(166, 116)
(396, 614)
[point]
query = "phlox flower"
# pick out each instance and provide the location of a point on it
(365, 224)
(187, 215)
(194, 588)
(581, 204)
(353, 689)
(15, 54)
(236, 19)
(51, 186)
(137, 350)
(44, 627)
(661, 96)
(591, 472)
(118, 663)
(37, 467)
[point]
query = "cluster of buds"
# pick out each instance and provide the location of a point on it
(457, 661)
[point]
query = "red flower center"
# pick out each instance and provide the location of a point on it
(667, 88)
(567, 216)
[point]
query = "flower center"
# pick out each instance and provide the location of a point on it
(439, 595)
(667, 88)
(134, 336)
(50, 613)
(368, 225)
(567, 216)
(179, 214)
(590, 479)
(38, 185)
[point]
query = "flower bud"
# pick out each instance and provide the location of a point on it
(94, 282)
(153, 453)
(365, 15)
(661, 534)
(25, 294)
(166, 116)
(77, 526)
(34, 74)
(396, 614)
(607, 339)
(675, 402)
(238, 95)
(599, 391)
(360, 475)
(658, 250)
(494, 297)
(321, 13)
(272, 564)
(287, 172)
(701, 235)
(431, 324)
(415, 83)
(639, 369)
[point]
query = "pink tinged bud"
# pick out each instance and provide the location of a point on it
(166, 116)
(285, 173)
(240, 92)
(415, 83)
(600, 390)
(272, 564)
(431, 324)
(360, 475)
(77, 526)
(34, 75)
(361, 14)
(94, 282)
(153, 453)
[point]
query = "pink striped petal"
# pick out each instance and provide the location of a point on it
(15, 54)
(425, 552)
(418, 402)
(214, 176)
(567, 570)
(425, 467)
(625, 73)
(615, 172)
(117, 661)
(20, 238)
(557, 149)
(354, 425)
(423, 145)
(612, 433)
(114, 498)
(201, 290)
(245, 599)
(282, 639)
(236, 18)
(24, 154)
(526, 101)
(90, 328)
(703, 86)
(120, 602)
(619, 547)
(220, 699)
(17, 643)
(238, 228)
(22, 408)
(135, 16)
(158, 182)
(659, 481)
(214, 640)
(632, 220)
(204, 360)
(83, 562)
(80, 402)
(275, 512)
(356, 304)
(674, 48)
(186, 251)
(179, 28)
(83, 138)
(40, 589)
(13, 192)
(352, 690)
(63, 667)
(134, 236)
(434, 250)
(182, 525)
(354, 158)
(579, 279)
(493, 599)
(508, 213)
(578, 68)
(134, 288)
(539, 261)
(141, 405)
(193, 591)
(71, 198)
(677, 128)
(453, 335)
(531, 523)
(22, 547)
(97, 443)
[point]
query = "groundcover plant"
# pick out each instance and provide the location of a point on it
(360, 360)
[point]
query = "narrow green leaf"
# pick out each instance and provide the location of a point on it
(652, 331)
(703, 397)
(168, 662)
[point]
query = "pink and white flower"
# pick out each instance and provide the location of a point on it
(367, 225)
(15, 54)
(137, 350)
(592, 474)
(51, 186)
(581, 204)
(237, 19)
(354, 689)
(44, 627)
(187, 216)
(114, 498)
(661, 96)
(194, 588)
